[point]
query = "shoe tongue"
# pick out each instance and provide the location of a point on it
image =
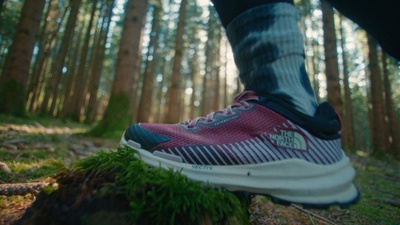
(246, 95)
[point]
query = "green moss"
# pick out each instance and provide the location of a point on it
(106, 217)
(158, 196)
(116, 118)
(12, 98)
(29, 170)
(49, 189)
(378, 182)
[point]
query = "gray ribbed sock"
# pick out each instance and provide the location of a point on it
(269, 53)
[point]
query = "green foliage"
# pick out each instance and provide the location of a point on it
(9, 20)
(29, 170)
(12, 98)
(159, 196)
(116, 118)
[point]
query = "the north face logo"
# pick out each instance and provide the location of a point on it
(289, 139)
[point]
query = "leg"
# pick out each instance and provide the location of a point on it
(268, 50)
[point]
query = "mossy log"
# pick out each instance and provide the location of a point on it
(21, 188)
(117, 188)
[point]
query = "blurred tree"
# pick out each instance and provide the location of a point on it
(379, 138)
(348, 131)
(331, 62)
(98, 56)
(14, 84)
(58, 63)
(119, 110)
(80, 89)
(392, 120)
(145, 103)
(174, 91)
(54, 18)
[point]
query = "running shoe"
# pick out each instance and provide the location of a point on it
(255, 146)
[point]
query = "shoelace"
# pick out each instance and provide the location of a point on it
(240, 100)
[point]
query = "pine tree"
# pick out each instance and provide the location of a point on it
(174, 91)
(331, 61)
(14, 85)
(119, 111)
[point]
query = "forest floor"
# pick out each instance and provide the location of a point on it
(36, 149)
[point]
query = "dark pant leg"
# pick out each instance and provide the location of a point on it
(379, 18)
(230, 9)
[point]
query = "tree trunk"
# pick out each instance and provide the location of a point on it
(70, 80)
(206, 94)
(348, 132)
(142, 8)
(174, 92)
(16, 72)
(315, 62)
(127, 65)
(216, 70)
(145, 103)
(97, 66)
(46, 45)
(224, 64)
(393, 122)
(79, 92)
(194, 75)
(58, 63)
(40, 57)
(378, 137)
(331, 61)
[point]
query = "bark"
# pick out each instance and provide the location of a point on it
(46, 45)
(145, 103)
(378, 137)
(194, 74)
(16, 72)
(126, 67)
(79, 92)
(58, 63)
(393, 122)
(160, 106)
(331, 61)
(141, 9)
(70, 80)
(39, 62)
(315, 62)
(174, 92)
(97, 66)
(225, 72)
(348, 132)
(21, 188)
(216, 71)
(206, 95)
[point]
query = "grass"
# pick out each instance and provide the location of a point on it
(379, 183)
(377, 179)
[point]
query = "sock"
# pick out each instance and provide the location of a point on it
(268, 50)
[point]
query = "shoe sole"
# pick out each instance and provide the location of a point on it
(287, 181)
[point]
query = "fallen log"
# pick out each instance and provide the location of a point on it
(22, 188)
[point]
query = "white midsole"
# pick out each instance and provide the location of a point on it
(293, 180)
